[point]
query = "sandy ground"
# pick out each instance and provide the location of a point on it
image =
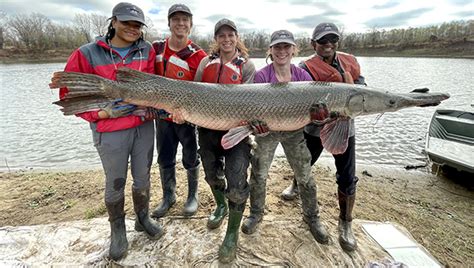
(438, 212)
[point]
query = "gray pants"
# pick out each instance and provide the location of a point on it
(115, 148)
(298, 156)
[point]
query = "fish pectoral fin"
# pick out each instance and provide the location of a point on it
(127, 75)
(235, 135)
(335, 135)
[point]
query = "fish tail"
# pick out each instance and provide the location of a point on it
(80, 84)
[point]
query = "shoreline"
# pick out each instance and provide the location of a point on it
(436, 211)
(62, 56)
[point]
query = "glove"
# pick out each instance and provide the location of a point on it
(319, 112)
(114, 109)
(259, 128)
(162, 114)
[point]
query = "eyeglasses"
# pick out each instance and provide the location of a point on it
(326, 39)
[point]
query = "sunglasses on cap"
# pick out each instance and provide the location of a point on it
(326, 39)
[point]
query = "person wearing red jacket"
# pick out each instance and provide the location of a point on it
(178, 58)
(117, 134)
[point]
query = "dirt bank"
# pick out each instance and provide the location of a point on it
(437, 212)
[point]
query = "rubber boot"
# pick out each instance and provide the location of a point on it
(291, 192)
(216, 217)
(168, 183)
(192, 203)
(310, 207)
(346, 236)
(227, 250)
(118, 232)
(249, 226)
(143, 222)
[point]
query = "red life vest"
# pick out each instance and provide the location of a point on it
(321, 71)
(229, 73)
(176, 66)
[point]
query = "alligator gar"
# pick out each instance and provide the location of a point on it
(282, 106)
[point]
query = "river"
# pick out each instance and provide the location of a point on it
(35, 134)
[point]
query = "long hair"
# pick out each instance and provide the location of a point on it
(269, 53)
(243, 50)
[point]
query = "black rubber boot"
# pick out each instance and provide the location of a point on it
(143, 222)
(249, 226)
(227, 250)
(291, 192)
(310, 207)
(168, 183)
(346, 236)
(216, 217)
(192, 203)
(118, 233)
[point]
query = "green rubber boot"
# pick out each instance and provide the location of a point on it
(227, 250)
(216, 218)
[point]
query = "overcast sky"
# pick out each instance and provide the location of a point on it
(298, 16)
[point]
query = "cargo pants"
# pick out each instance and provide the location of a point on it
(298, 156)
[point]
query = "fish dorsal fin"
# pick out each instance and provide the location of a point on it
(335, 135)
(235, 135)
(420, 90)
(127, 75)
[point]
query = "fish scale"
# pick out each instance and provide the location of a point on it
(283, 106)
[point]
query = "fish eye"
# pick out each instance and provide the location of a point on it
(391, 102)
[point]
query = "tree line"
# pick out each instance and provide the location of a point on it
(36, 32)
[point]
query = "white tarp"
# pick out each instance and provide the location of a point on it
(187, 242)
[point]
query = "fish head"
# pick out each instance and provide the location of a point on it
(365, 101)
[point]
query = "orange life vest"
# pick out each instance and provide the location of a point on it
(176, 66)
(229, 73)
(321, 71)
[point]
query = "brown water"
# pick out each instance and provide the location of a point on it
(35, 135)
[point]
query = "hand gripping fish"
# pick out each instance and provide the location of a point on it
(282, 106)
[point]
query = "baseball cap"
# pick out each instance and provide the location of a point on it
(125, 11)
(323, 29)
(179, 8)
(282, 36)
(224, 22)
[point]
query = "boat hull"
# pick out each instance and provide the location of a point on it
(450, 139)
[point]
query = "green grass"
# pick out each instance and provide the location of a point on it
(95, 211)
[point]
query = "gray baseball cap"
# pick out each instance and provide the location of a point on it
(179, 8)
(224, 22)
(323, 29)
(282, 36)
(125, 11)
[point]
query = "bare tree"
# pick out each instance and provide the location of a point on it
(29, 29)
(98, 24)
(83, 24)
(3, 17)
